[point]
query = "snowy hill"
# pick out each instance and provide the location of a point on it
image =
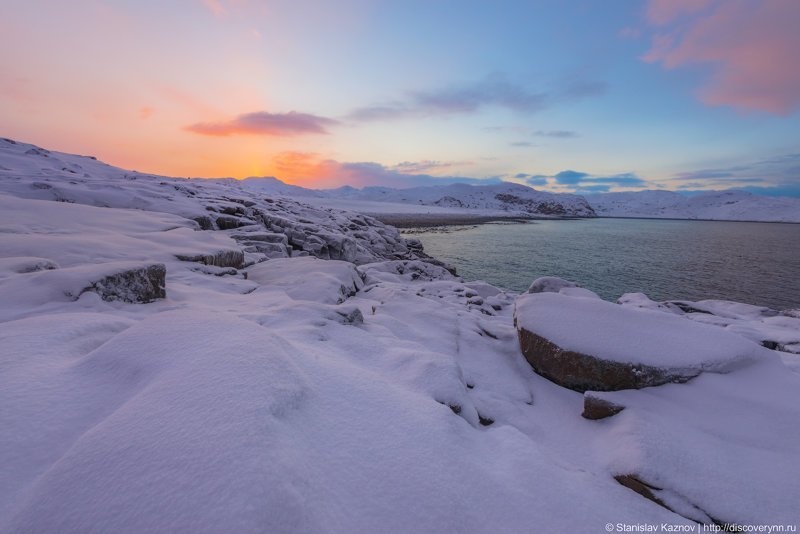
(731, 205)
(270, 186)
(193, 356)
(506, 197)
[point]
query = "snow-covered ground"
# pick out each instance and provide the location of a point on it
(295, 368)
(732, 205)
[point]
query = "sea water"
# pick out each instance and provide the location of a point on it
(756, 263)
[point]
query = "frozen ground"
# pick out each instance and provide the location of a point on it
(272, 391)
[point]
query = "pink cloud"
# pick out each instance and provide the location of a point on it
(752, 46)
(265, 123)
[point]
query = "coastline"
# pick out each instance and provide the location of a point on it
(419, 220)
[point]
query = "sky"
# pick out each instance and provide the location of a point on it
(570, 96)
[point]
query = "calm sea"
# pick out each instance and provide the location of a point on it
(757, 263)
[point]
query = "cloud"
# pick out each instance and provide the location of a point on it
(532, 179)
(465, 98)
(264, 123)
(570, 177)
(522, 144)
(562, 134)
(777, 173)
(470, 97)
(524, 130)
(312, 170)
(583, 181)
(418, 167)
(751, 48)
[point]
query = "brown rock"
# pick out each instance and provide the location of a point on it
(582, 372)
(597, 408)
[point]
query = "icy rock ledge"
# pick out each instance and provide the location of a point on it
(589, 344)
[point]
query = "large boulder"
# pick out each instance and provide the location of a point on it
(590, 344)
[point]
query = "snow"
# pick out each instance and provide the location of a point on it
(716, 433)
(267, 398)
(495, 198)
(308, 278)
(730, 205)
(638, 336)
(777, 330)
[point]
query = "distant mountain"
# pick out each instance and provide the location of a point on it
(729, 205)
(508, 197)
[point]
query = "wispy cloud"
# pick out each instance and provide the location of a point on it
(524, 130)
(522, 144)
(780, 172)
(425, 166)
(750, 46)
(464, 98)
(562, 134)
(265, 123)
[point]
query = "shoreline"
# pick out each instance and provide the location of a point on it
(428, 220)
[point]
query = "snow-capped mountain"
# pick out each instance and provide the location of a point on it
(506, 197)
(730, 205)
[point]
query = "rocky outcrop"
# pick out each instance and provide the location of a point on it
(122, 282)
(590, 344)
(544, 207)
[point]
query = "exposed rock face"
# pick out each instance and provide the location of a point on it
(223, 258)
(595, 407)
(538, 207)
(582, 372)
(204, 222)
(138, 285)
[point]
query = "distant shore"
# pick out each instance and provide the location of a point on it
(418, 220)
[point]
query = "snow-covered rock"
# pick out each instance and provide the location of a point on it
(308, 278)
(238, 207)
(590, 344)
(770, 328)
(549, 284)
